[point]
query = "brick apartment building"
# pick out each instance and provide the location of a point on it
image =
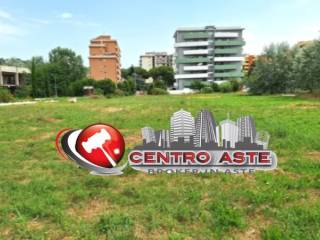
(104, 59)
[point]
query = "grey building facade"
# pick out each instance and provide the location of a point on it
(208, 54)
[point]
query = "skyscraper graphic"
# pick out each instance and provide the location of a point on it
(229, 133)
(205, 126)
(163, 140)
(148, 135)
(182, 127)
(246, 129)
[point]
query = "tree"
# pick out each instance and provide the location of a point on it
(306, 68)
(127, 86)
(65, 68)
(273, 70)
(163, 73)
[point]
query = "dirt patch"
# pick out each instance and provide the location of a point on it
(94, 208)
(254, 231)
(6, 232)
(42, 136)
(302, 106)
(133, 139)
(48, 119)
(35, 224)
(314, 155)
(109, 110)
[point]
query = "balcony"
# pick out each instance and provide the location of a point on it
(195, 35)
(227, 50)
(181, 60)
(228, 74)
(226, 66)
(236, 42)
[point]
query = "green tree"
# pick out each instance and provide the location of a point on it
(128, 86)
(164, 73)
(65, 68)
(273, 70)
(307, 68)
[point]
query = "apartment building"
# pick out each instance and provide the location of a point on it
(208, 54)
(104, 59)
(155, 59)
(248, 63)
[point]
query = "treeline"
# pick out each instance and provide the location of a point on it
(65, 75)
(284, 69)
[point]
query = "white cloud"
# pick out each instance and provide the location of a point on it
(9, 30)
(65, 15)
(39, 21)
(5, 15)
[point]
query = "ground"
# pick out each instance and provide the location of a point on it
(45, 197)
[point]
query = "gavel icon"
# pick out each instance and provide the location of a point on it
(96, 141)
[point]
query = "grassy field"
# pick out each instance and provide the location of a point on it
(45, 197)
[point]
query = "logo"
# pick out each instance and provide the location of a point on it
(98, 148)
(201, 146)
(192, 145)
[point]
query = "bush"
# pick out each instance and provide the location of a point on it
(76, 88)
(225, 87)
(157, 91)
(206, 90)
(98, 92)
(235, 85)
(119, 92)
(23, 92)
(5, 95)
(196, 85)
(215, 87)
(107, 86)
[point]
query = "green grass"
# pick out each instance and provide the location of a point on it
(45, 197)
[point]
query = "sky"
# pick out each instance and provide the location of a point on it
(34, 27)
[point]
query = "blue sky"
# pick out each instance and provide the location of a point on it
(33, 28)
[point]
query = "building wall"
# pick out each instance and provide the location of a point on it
(155, 59)
(208, 54)
(104, 59)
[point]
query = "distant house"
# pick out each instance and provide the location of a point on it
(12, 77)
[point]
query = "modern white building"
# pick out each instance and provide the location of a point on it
(182, 126)
(208, 54)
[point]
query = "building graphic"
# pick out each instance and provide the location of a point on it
(208, 54)
(155, 59)
(246, 129)
(199, 146)
(203, 133)
(182, 128)
(148, 135)
(205, 129)
(104, 59)
(229, 134)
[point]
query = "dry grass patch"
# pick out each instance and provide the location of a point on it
(91, 210)
(302, 106)
(314, 155)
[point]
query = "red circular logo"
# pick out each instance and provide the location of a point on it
(101, 144)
